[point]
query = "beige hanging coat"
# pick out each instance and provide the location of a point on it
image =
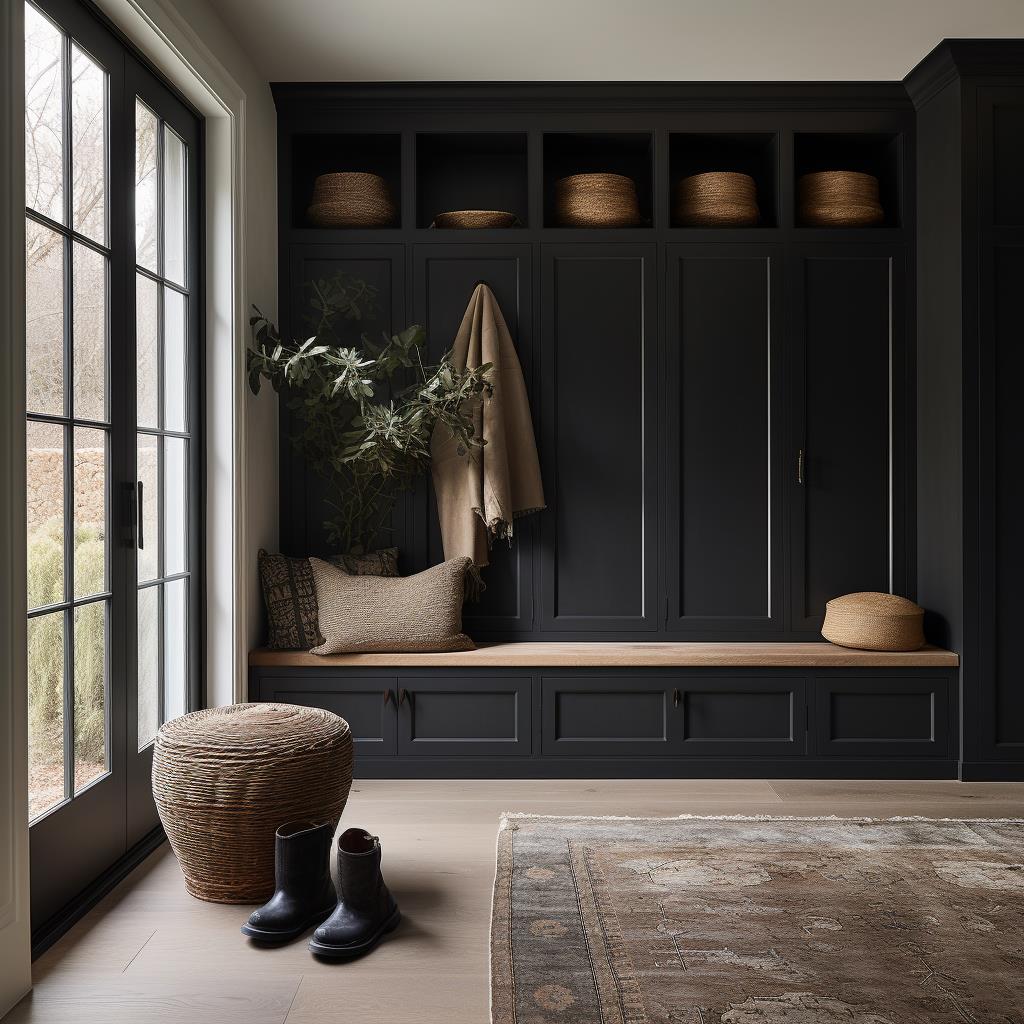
(481, 493)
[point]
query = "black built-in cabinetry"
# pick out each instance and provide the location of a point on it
(969, 96)
(724, 416)
(734, 424)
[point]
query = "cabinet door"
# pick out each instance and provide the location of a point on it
(607, 715)
(367, 703)
(599, 379)
(723, 521)
(464, 714)
(444, 277)
(303, 508)
(734, 715)
(882, 716)
(994, 484)
(848, 434)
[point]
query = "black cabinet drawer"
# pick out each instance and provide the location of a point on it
(881, 716)
(367, 703)
(464, 715)
(742, 715)
(606, 715)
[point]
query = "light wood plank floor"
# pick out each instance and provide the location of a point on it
(150, 954)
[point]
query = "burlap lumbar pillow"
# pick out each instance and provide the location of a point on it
(376, 613)
(290, 594)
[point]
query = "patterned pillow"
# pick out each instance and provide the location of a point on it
(290, 594)
(371, 613)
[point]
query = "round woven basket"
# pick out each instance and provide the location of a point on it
(874, 622)
(838, 199)
(350, 199)
(596, 201)
(716, 199)
(475, 219)
(224, 780)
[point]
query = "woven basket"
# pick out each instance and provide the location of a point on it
(224, 780)
(350, 199)
(596, 201)
(716, 199)
(838, 199)
(874, 622)
(475, 219)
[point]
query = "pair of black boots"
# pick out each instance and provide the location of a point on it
(352, 919)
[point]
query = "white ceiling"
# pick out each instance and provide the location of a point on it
(602, 40)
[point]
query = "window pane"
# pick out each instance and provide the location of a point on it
(175, 505)
(146, 352)
(45, 712)
(90, 511)
(174, 208)
(90, 693)
(149, 664)
(146, 210)
(89, 333)
(88, 146)
(44, 116)
(175, 650)
(44, 479)
(44, 319)
(148, 475)
(174, 360)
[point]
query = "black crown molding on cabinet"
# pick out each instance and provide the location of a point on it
(601, 97)
(963, 58)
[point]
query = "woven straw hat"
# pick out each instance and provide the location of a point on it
(350, 199)
(839, 199)
(597, 201)
(874, 622)
(716, 199)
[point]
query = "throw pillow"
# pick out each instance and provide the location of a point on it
(408, 614)
(290, 594)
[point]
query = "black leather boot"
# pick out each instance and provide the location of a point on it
(305, 893)
(366, 911)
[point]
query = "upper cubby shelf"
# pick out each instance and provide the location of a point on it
(627, 155)
(876, 154)
(458, 171)
(367, 153)
(753, 154)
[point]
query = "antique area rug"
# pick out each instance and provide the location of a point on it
(755, 920)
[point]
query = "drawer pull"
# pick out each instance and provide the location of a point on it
(675, 698)
(387, 697)
(402, 696)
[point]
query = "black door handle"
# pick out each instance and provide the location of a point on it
(129, 513)
(138, 505)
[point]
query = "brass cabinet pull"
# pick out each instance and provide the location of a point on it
(800, 461)
(402, 695)
(387, 697)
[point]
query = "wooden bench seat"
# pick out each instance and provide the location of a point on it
(624, 655)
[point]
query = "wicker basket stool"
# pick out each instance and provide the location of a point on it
(225, 779)
(874, 622)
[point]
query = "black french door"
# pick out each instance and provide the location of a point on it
(112, 460)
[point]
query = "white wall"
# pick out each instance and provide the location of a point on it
(187, 41)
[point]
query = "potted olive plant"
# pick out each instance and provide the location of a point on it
(364, 416)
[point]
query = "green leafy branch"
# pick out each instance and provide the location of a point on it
(364, 416)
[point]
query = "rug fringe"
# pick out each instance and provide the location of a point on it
(508, 816)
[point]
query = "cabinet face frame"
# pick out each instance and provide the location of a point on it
(650, 616)
(676, 619)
